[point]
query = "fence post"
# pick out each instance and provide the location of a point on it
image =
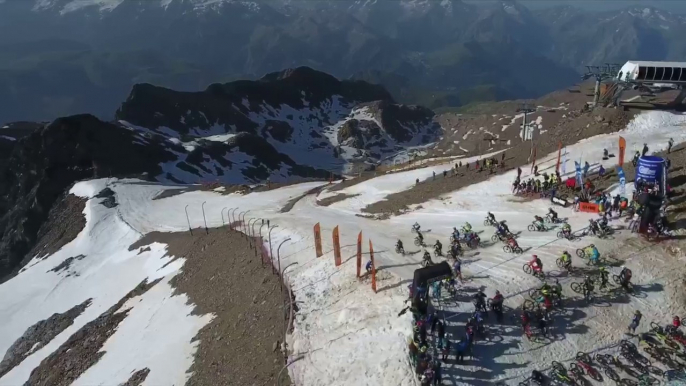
(188, 219)
(270, 243)
(204, 219)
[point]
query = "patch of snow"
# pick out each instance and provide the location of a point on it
(8, 138)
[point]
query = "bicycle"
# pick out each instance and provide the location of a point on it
(419, 242)
(605, 362)
(560, 374)
(513, 249)
(583, 360)
(565, 235)
(582, 288)
(561, 263)
(665, 339)
(535, 228)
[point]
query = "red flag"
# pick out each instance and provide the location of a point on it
(622, 149)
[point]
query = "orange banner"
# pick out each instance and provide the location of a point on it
(371, 257)
(587, 207)
(336, 247)
(559, 154)
(318, 240)
(622, 149)
(359, 254)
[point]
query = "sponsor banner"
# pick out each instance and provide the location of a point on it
(588, 207)
(622, 181)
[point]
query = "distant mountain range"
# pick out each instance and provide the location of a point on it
(60, 57)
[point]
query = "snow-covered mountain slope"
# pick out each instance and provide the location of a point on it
(344, 334)
(309, 116)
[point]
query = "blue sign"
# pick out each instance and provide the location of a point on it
(622, 180)
(650, 168)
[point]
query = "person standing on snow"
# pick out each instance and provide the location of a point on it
(645, 150)
(519, 173)
(635, 321)
(670, 143)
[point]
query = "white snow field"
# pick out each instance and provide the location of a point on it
(344, 334)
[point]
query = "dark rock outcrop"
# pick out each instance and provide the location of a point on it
(228, 105)
(48, 161)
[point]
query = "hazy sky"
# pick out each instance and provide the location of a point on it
(604, 5)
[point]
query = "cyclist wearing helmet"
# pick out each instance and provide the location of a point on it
(536, 264)
(504, 226)
(566, 259)
(491, 218)
(566, 229)
(588, 286)
(557, 289)
(456, 234)
(593, 226)
(593, 254)
(467, 228)
(552, 214)
(604, 275)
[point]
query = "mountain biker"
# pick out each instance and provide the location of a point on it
(538, 222)
(604, 275)
(588, 286)
(416, 227)
(566, 229)
(625, 277)
(427, 258)
(552, 214)
(399, 245)
(497, 302)
(420, 237)
(545, 289)
(593, 226)
(594, 255)
(566, 259)
(368, 267)
(438, 247)
(491, 218)
(603, 221)
(536, 264)
(676, 322)
(467, 228)
(456, 234)
(480, 300)
(635, 321)
(557, 289)
(512, 242)
(455, 248)
(504, 226)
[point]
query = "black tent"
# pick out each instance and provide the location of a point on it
(430, 274)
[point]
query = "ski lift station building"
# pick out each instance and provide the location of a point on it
(653, 72)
